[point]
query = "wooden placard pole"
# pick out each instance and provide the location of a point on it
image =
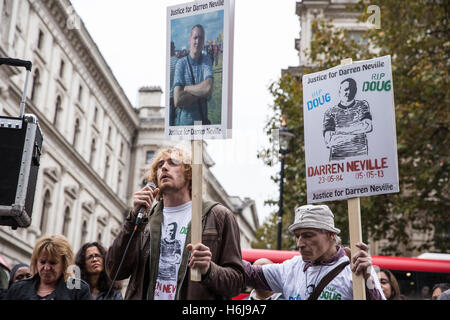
(354, 222)
(196, 220)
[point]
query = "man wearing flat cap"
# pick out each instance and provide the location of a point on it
(322, 271)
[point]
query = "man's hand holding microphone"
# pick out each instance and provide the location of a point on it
(143, 200)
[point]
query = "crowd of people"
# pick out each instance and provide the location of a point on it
(155, 252)
(54, 273)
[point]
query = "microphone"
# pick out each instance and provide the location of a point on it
(142, 209)
(138, 220)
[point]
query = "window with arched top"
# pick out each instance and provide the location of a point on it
(46, 204)
(66, 222)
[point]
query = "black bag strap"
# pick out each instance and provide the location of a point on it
(326, 280)
(204, 119)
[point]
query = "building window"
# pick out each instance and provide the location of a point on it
(149, 156)
(76, 132)
(95, 115)
(108, 138)
(66, 223)
(58, 109)
(84, 232)
(46, 204)
(40, 39)
(441, 235)
(119, 181)
(121, 150)
(106, 167)
(357, 36)
(93, 150)
(80, 93)
(61, 69)
(35, 86)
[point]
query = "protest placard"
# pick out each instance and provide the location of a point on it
(199, 78)
(350, 139)
(350, 136)
(199, 68)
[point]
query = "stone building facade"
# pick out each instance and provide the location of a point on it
(96, 144)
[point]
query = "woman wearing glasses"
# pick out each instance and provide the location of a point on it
(90, 260)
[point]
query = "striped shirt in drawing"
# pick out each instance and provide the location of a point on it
(340, 119)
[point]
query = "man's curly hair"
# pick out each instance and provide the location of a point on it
(177, 155)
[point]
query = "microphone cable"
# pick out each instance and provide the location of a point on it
(138, 221)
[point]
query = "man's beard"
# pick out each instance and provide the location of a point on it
(170, 188)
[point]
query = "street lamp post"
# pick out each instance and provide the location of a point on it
(285, 136)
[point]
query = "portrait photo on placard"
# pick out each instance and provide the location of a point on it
(196, 69)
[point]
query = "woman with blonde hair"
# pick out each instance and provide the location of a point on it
(51, 262)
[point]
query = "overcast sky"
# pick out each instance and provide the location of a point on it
(131, 35)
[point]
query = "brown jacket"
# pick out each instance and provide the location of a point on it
(224, 279)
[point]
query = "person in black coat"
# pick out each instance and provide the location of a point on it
(91, 261)
(50, 263)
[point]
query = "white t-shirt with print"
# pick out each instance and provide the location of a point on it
(288, 277)
(173, 238)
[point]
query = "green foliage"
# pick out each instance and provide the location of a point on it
(415, 34)
(288, 99)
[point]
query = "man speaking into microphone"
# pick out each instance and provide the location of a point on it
(160, 256)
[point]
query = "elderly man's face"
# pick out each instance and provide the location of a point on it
(312, 243)
(196, 41)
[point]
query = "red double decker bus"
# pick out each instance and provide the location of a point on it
(416, 276)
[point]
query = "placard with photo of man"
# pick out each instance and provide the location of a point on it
(199, 67)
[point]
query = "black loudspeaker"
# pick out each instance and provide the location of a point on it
(20, 150)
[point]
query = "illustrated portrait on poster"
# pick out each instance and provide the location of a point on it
(350, 135)
(346, 125)
(198, 70)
